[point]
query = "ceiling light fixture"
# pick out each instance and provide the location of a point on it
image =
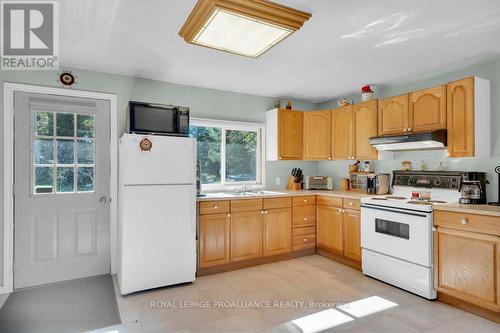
(244, 27)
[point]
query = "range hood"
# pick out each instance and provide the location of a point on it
(416, 141)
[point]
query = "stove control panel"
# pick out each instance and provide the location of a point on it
(429, 179)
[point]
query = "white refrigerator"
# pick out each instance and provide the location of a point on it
(157, 212)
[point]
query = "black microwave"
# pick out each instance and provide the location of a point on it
(149, 118)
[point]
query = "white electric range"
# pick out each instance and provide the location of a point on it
(396, 230)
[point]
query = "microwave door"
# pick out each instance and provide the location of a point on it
(151, 119)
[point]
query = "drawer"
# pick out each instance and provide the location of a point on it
(304, 200)
(246, 205)
(303, 238)
(472, 222)
(271, 203)
(303, 216)
(329, 201)
(351, 204)
(214, 207)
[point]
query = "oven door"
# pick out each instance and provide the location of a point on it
(400, 233)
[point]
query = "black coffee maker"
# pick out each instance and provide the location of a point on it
(473, 188)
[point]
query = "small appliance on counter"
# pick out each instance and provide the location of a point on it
(382, 183)
(319, 183)
(371, 185)
(473, 188)
(359, 181)
(497, 203)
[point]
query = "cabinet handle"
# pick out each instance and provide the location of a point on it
(351, 203)
(463, 221)
(340, 210)
(305, 219)
(305, 200)
(434, 229)
(265, 212)
(305, 240)
(405, 130)
(216, 207)
(329, 157)
(262, 212)
(279, 158)
(409, 129)
(228, 215)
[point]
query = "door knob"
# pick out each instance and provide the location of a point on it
(103, 200)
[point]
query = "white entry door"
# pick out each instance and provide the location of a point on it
(62, 174)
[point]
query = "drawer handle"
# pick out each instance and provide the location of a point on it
(265, 212)
(305, 219)
(262, 212)
(305, 240)
(216, 207)
(351, 203)
(463, 221)
(228, 215)
(305, 200)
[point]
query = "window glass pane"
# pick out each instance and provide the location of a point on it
(65, 152)
(209, 152)
(43, 179)
(44, 151)
(65, 124)
(241, 156)
(44, 123)
(85, 151)
(85, 179)
(65, 179)
(85, 126)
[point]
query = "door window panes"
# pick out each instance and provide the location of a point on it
(44, 151)
(85, 126)
(63, 152)
(241, 156)
(85, 179)
(65, 179)
(65, 124)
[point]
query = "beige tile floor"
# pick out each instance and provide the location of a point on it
(265, 289)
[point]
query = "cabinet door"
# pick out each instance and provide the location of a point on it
(393, 115)
(428, 109)
(214, 239)
(352, 247)
(460, 114)
(342, 133)
(277, 236)
(289, 135)
(246, 235)
(329, 235)
(317, 135)
(468, 266)
(365, 127)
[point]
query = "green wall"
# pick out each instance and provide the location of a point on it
(489, 70)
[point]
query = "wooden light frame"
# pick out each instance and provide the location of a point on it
(259, 10)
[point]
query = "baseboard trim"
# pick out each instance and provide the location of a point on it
(463, 305)
(253, 262)
(341, 259)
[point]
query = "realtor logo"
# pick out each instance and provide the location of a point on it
(30, 35)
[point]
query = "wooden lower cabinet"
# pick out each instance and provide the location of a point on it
(277, 233)
(329, 232)
(214, 239)
(352, 235)
(468, 266)
(246, 235)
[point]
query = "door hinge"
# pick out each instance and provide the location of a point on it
(13, 190)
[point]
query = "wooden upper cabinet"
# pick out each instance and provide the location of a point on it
(214, 239)
(277, 234)
(467, 266)
(329, 233)
(246, 235)
(365, 127)
(317, 135)
(460, 112)
(283, 135)
(393, 115)
(428, 109)
(352, 234)
(343, 133)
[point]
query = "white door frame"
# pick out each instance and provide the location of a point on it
(8, 169)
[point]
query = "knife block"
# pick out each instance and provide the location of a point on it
(293, 185)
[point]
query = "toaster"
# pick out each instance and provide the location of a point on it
(319, 183)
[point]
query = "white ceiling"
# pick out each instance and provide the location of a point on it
(345, 44)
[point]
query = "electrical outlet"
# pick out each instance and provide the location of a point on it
(278, 180)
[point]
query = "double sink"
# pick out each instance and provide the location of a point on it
(241, 194)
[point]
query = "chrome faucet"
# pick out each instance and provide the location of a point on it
(243, 189)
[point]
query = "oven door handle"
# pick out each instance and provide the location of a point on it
(394, 210)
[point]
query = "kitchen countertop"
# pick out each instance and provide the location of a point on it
(469, 209)
(285, 193)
